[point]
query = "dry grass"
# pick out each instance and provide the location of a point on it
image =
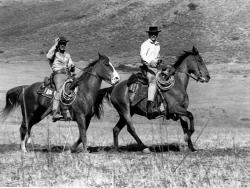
(221, 161)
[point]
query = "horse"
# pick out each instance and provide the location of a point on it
(34, 106)
(189, 64)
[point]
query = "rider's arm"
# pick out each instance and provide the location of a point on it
(71, 64)
(51, 52)
(143, 53)
(146, 58)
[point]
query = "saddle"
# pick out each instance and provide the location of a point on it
(47, 90)
(138, 88)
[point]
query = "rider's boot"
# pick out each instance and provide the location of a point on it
(55, 110)
(66, 113)
(56, 116)
(151, 111)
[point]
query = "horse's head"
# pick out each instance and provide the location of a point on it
(106, 71)
(196, 66)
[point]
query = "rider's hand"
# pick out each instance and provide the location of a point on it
(159, 61)
(72, 68)
(153, 63)
(57, 40)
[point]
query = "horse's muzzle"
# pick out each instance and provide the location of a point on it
(203, 79)
(115, 80)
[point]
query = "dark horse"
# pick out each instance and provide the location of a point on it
(34, 105)
(188, 64)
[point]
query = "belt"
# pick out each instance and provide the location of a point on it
(61, 71)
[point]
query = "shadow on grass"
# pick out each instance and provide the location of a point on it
(136, 148)
(4, 148)
(158, 148)
(110, 149)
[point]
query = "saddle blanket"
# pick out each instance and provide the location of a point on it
(46, 91)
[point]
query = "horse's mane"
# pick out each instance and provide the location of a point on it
(89, 68)
(181, 58)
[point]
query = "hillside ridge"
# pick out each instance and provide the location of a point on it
(219, 30)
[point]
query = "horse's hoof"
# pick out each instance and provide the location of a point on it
(24, 151)
(193, 150)
(146, 151)
(115, 150)
(73, 150)
(68, 151)
(29, 140)
(85, 151)
(23, 148)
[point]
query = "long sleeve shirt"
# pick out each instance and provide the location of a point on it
(61, 61)
(150, 51)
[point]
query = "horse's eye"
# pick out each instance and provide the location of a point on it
(106, 63)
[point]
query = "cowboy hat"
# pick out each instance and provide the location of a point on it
(63, 39)
(153, 29)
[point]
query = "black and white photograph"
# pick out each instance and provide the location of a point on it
(125, 93)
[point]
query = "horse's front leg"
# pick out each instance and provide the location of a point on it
(188, 130)
(81, 122)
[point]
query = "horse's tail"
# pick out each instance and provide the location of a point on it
(102, 93)
(13, 100)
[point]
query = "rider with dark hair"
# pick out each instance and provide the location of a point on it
(61, 64)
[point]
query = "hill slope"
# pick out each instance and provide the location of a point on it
(219, 29)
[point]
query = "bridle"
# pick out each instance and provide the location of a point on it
(196, 78)
(189, 75)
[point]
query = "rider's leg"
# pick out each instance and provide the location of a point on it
(59, 80)
(151, 111)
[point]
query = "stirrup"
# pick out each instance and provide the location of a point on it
(66, 115)
(56, 117)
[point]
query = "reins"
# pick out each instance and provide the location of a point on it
(190, 75)
(83, 71)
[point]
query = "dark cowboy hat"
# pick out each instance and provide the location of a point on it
(63, 39)
(153, 29)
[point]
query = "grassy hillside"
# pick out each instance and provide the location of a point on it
(219, 29)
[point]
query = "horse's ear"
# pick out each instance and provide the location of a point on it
(185, 51)
(195, 51)
(99, 55)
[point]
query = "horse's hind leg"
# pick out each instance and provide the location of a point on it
(116, 130)
(131, 130)
(23, 131)
(191, 127)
